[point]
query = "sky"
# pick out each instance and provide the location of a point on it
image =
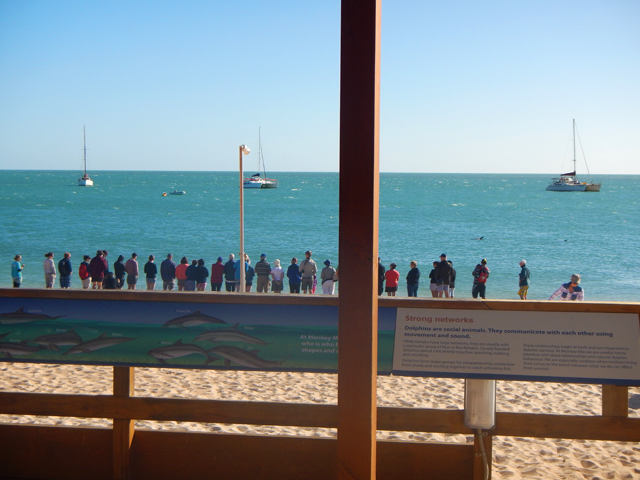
(466, 86)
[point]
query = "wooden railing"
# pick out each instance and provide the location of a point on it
(70, 452)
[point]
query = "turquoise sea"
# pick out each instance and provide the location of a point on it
(421, 216)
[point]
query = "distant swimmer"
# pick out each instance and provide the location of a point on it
(479, 238)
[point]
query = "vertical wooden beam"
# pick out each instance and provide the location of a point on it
(123, 386)
(615, 401)
(478, 458)
(359, 183)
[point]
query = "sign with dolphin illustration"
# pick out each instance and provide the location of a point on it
(21, 316)
(57, 340)
(183, 335)
(179, 349)
(194, 319)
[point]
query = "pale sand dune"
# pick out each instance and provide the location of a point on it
(513, 458)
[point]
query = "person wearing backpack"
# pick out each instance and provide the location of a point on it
(84, 272)
(480, 276)
(65, 269)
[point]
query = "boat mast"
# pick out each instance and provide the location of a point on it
(574, 147)
(260, 157)
(84, 136)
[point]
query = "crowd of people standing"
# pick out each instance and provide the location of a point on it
(302, 277)
(195, 276)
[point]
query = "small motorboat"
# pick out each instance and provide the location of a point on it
(177, 192)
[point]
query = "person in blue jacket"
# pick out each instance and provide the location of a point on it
(16, 271)
(229, 274)
(294, 276)
(65, 270)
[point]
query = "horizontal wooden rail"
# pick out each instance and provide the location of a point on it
(331, 300)
(310, 415)
(620, 429)
(71, 453)
(169, 409)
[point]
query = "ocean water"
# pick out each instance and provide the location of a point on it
(421, 216)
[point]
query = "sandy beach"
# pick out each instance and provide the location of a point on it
(513, 457)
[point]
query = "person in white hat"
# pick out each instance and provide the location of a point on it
(570, 291)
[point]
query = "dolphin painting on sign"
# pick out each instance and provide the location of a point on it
(245, 358)
(102, 341)
(233, 334)
(11, 349)
(179, 349)
(56, 340)
(20, 316)
(194, 319)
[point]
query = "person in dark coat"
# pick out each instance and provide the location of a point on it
(381, 277)
(452, 285)
(119, 271)
(65, 269)
(413, 279)
(191, 273)
(98, 268)
(202, 274)
(230, 274)
(151, 271)
(110, 282)
(443, 276)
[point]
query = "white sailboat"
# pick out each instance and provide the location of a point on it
(567, 182)
(260, 180)
(85, 181)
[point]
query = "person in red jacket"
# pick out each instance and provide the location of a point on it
(217, 275)
(98, 268)
(181, 273)
(391, 276)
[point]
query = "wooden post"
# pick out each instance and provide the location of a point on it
(123, 386)
(615, 401)
(358, 243)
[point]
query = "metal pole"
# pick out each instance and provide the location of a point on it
(241, 258)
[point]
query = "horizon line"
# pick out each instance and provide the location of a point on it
(309, 172)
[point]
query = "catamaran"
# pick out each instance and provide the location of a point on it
(257, 180)
(85, 181)
(567, 182)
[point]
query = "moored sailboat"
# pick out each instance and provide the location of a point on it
(260, 180)
(85, 181)
(567, 182)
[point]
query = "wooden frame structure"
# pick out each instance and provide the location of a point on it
(52, 452)
(358, 242)
(28, 451)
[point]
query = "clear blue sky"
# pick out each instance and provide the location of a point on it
(467, 86)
